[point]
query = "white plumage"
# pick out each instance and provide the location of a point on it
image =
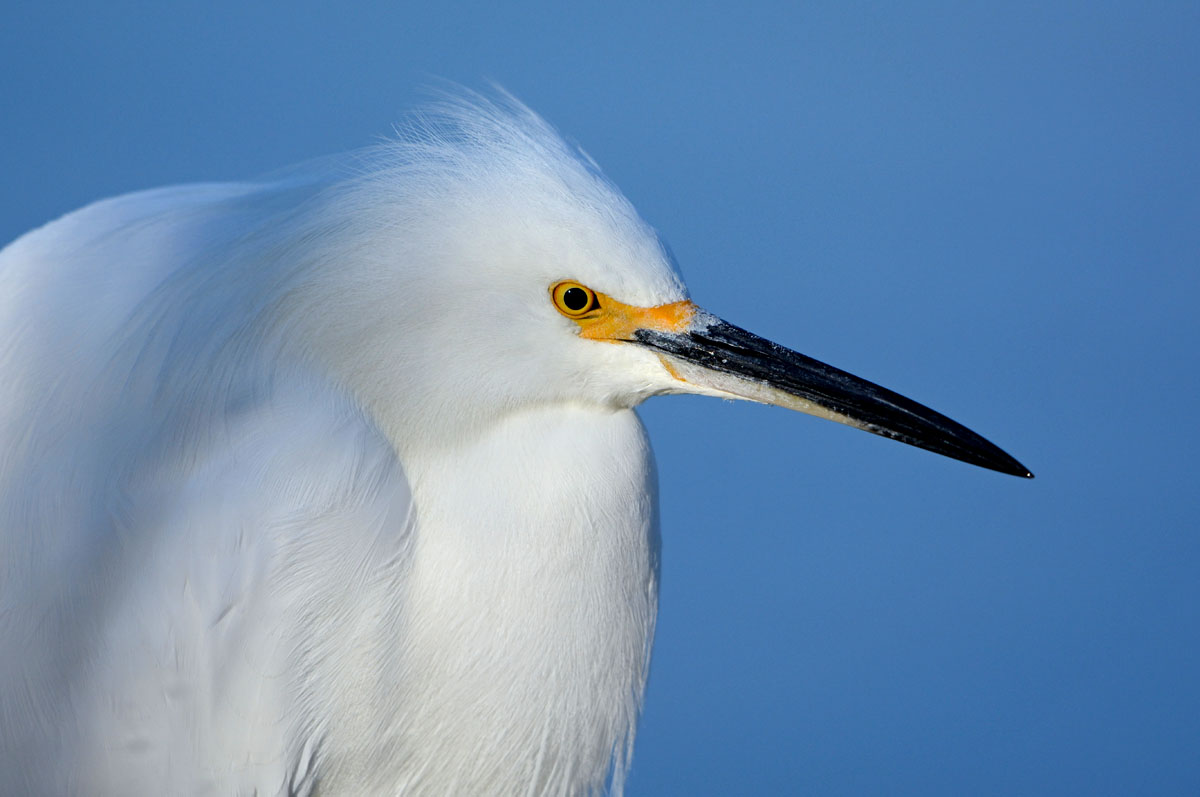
(214, 576)
(310, 483)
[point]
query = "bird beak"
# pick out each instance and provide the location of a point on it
(713, 357)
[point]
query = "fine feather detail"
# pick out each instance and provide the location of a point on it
(304, 484)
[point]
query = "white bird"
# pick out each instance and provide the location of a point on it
(333, 481)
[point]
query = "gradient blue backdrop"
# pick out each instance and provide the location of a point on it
(993, 208)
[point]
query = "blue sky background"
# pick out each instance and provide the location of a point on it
(993, 208)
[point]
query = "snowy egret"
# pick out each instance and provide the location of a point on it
(333, 481)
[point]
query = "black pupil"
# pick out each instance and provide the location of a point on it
(575, 299)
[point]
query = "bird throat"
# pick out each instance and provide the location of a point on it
(530, 607)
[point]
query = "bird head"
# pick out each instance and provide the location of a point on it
(494, 269)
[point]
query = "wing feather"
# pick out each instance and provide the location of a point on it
(174, 579)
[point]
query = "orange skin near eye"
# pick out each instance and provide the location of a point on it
(615, 321)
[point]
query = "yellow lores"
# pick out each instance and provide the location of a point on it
(601, 317)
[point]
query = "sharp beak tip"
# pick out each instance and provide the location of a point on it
(1007, 465)
(1018, 469)
(741, 364)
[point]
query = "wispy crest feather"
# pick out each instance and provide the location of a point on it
(234, 548)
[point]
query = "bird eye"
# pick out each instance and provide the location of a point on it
(574, 300)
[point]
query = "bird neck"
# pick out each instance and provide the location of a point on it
(529, 606)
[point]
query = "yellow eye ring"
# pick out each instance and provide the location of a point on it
(573, 300)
